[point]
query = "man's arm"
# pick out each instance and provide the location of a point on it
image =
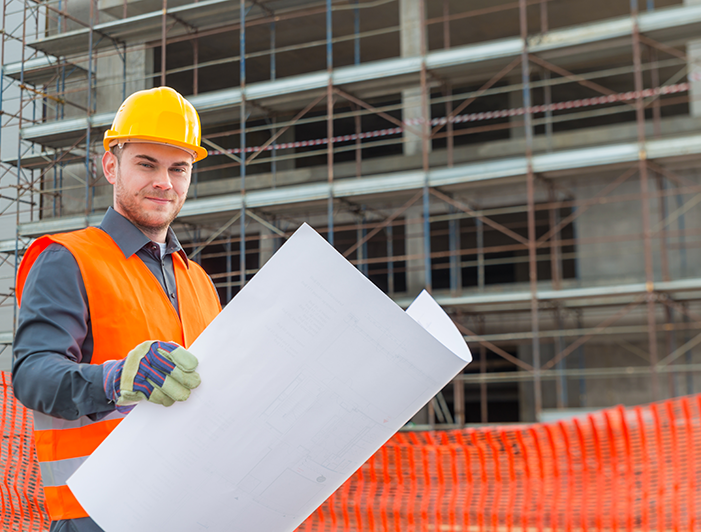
(53, 344)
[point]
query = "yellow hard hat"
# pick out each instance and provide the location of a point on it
(159, 115)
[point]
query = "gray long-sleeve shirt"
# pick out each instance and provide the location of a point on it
(53, 345)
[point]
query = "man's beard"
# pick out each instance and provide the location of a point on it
(129, 205)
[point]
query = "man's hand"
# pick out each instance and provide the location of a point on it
(161, 372)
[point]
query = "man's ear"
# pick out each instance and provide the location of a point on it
(109, 167)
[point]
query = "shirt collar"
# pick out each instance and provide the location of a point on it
(130, 239)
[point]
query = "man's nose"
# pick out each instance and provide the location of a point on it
(162, 180)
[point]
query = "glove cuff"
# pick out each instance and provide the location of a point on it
(111, 377)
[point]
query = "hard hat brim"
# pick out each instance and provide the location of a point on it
(112, 136)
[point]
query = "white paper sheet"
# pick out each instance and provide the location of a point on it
(305, 374)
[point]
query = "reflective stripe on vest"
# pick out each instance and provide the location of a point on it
(58, 472)
(127, 306)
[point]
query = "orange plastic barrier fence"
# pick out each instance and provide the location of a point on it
(21, 497)
(617, 469)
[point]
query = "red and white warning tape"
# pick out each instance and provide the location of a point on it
(488, 115)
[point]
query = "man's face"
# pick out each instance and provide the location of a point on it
(150, 184)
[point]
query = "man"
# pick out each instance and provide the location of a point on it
(104, 311)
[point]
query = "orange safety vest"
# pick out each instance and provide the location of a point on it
(127, 306)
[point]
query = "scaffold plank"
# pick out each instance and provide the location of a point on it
(39, 161)
(147, 27)
(41, 70)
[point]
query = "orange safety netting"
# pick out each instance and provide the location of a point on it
(21, 497)
(617, 469)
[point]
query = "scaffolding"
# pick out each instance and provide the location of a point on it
(533, 164)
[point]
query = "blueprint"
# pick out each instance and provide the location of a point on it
(305, 374)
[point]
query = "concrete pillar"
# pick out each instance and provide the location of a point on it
(110, 76)
(693, 53)
(410, 43)
(416, 272)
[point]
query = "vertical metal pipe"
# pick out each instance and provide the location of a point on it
(124, 72)
(448, 93)
(54, 202)
(647, 235)
(484, 405)
(356, 32)
(459, 401)
(425, 143)
(556, 275)
(555, 251)
(655, 81)
(547, 100)
(358, 142)
(547, 92)
(273, 76)
(446, 24)
(681, 224)
(671, 342)
(273, 56)
(670, 334)
(227, 248)
(329, 119)
(89, 128)
(390, 263)
(363, 249)
(454, 248)
(530, 185)
(427, 236)
(664, 239)
(242, 143)
(329, 160)
(163, 43)
(582, 365)
(480, 253)
(19, 146)
(561, 381)
(688, 358)
(273, 154)
(544, 26)
(195, 69)
(63, 90)
(329, 36)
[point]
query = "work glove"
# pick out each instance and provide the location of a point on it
(161, 372)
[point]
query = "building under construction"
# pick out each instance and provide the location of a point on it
(535, 164)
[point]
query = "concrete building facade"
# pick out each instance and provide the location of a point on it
(535, 165)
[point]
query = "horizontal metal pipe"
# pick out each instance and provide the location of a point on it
(606, 373)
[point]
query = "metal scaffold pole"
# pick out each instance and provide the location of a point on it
(242, 144)
(89, 109)
(530, 185)
(164, 34)
(329, 119)
(645, 205)
(425, 147)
